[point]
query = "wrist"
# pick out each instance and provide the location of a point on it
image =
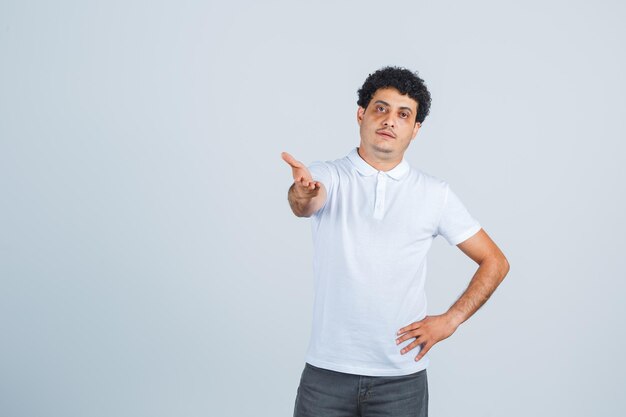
(455, 318)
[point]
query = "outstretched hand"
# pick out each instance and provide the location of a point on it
(427, 332)
(305, 187)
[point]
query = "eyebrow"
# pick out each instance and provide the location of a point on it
(389, 105)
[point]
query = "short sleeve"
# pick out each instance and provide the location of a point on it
(456, 223)
(320, 171)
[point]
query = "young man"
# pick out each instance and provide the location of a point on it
(373, 219)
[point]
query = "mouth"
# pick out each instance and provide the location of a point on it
(386, 134)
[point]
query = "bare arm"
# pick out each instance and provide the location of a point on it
(493, 267)
(305, 195)
(305, 201)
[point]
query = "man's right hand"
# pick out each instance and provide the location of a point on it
(304, 186)
(305, 195)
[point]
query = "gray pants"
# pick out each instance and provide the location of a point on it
(326, 393)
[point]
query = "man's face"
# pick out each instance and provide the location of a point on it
(387, 125)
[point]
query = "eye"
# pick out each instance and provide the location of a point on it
(404, 115)
(380, 108)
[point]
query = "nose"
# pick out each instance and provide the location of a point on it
(388, 121)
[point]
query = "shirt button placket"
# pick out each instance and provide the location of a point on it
(379, 206)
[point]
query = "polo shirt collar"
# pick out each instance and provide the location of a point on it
(366, 169)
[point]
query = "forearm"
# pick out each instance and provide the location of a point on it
(305, 206)
(492, 269)
(488, 276)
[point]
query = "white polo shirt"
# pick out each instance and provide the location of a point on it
(370, 241)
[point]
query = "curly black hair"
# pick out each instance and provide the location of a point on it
(403, 80)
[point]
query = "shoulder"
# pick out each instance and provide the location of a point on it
(329, 172)
(333, 166)
(430, 182)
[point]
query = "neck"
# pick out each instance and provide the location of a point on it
(380, 164)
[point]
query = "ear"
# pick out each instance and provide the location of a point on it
(359, 115)
(416, 128)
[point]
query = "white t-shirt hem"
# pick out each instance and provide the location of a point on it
(419, 365)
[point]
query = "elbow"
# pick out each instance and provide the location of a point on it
(299, 212)
(503, 267)
(498, 265)
(305, 215)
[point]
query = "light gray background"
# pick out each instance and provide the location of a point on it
(150, 264)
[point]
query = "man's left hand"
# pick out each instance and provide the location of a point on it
(427, 332)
